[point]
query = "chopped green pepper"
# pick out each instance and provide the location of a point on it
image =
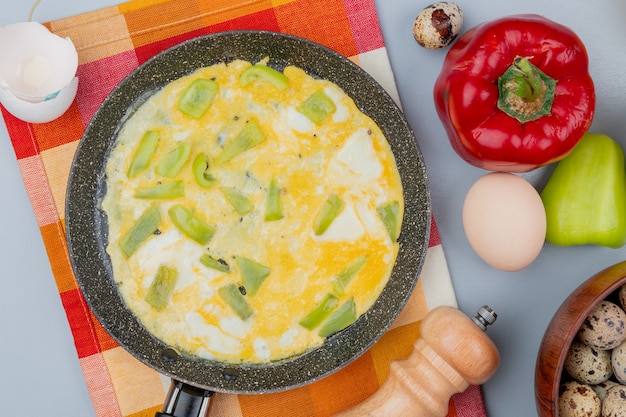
(250, 136)
(328, 212)
(343, 278)
(198, 97)
(315, 317)
(585, 197)
(269, 74)
(161, 287)
(317, 107)
(144, 227)
(190, 224)
(273, 209)
(238, 200)
(340, 319)
(252, 273)
(390, 215)
(235, 300)
(143, 153)
(172, 163)
(217, 264)
(163, 190)
(200, 167)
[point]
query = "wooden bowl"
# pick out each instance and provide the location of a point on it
(562, 330)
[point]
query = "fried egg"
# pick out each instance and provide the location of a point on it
(296, 166)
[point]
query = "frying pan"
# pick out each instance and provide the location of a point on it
(86, 223)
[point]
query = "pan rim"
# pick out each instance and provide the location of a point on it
(85, 238)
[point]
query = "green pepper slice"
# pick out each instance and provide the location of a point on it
(318, 107)
(200, 167)
(144, 227)
(235, 300)
(329, 211)
(340, 319)
(585, 196)
(217, 264)
(162, 191)
(390, 216)
(196, 99)
(343, 278)
(269, 74)
(161, 287)
(172, 163)
(190, 224)
(238, 200)
(252, 273)
(273, 208)
(315, 317)
(143, 154)
(250, 136)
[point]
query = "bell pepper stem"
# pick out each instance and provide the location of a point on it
(529, 80)
(526, 92)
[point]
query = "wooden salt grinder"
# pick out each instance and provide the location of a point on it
(452, 353)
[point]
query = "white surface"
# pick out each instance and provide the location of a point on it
(41, 374)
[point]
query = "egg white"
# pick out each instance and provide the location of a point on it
(347, 155)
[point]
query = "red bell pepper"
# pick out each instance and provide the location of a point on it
(515, 94)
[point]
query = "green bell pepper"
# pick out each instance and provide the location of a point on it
(269, 74)
(585, 197)
(161, 287)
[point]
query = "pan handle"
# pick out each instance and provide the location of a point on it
(184, 400)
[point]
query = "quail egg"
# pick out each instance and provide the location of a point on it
(614, 404)
(437, 25)
(588, 365)
(618, 362)
(578, 400)
(605, 326)
(602, 388)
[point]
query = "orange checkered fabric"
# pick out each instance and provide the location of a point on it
(111, 43)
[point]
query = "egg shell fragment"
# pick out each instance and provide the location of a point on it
(605, 326)
(504, 221)
(614, 403)
(437, 25)
(588, 365)
(578, 400)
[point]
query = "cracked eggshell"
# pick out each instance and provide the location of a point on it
(614, 404)
(588, 365)
(437, 25)
(578, 400)
(605, 326)
(618, 362)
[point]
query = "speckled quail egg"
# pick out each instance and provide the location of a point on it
(588, 365)
(605, 326)
(578, 400)
(614, 404)
(618, 362)
(437, 25)
(602, 388)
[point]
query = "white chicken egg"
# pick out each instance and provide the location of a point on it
(504, 221)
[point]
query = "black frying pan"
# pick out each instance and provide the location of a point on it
(87, 225)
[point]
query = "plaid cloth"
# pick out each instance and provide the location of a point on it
(112, 42)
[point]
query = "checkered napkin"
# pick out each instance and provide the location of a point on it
(111, 43)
